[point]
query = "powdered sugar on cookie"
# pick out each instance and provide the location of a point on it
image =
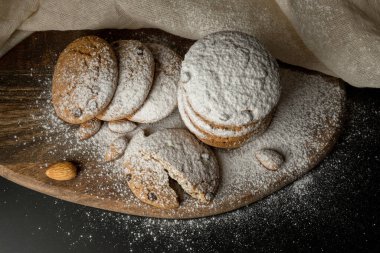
(230, 78)
(213, 130)
(184, 158)
(162, 99)
(84, 80)
(88, 129)
(136, 70)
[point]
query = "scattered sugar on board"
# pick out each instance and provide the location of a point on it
(306, 206)
(302, 111)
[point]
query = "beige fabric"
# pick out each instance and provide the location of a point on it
(337, 37)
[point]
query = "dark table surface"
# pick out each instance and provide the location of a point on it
(334, 208)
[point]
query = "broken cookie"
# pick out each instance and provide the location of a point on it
(170, 153)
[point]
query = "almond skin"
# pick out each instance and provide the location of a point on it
(62, 171)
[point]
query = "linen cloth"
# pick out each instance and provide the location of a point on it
(337, 37)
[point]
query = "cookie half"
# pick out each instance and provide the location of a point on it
(149, 182)
(183, 158)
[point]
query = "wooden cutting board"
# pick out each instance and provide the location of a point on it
(304, 129)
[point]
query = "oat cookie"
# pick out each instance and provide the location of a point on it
(136, 71)
(162, 99)
(182, 157)
(229, 89)
(149, 182)
(84, 80)
(230, 78)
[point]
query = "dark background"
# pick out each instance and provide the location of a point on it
(334, 208)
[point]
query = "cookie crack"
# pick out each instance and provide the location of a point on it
(183, 183)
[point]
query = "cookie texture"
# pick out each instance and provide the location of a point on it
(136, 71)
(149, 182)
(84, 79)
(182, 157)
(210, 139)
(230, 78)
(162, 99)
(229, 89)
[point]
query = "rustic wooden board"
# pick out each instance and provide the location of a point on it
(25, 150)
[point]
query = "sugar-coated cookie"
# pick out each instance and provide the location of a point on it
(149, 182)
(207, 138)
(230, 78)
(182, 157)
(229, 88)
(84, 80)
(136, 71)
(162, 99)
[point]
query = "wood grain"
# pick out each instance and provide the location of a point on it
(25, 154)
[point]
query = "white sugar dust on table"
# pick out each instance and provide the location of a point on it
(304, 128)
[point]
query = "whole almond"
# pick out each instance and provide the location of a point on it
(62, 171)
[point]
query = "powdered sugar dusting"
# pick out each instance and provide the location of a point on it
(116, 149)
(298, 131)
(122, 126)
(184, 158)
(230, 79)
(84, 79)
(162, 99)
(193, 118)
(136, 70)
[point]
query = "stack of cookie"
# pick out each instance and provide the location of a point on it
(229, 89)
(127, 81)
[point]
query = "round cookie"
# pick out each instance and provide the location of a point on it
(136, 71)
(182, 157)
(217, 137)
(230, 79)
(162, 99)
(84, 79)
(211, 129)
(207, 139)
